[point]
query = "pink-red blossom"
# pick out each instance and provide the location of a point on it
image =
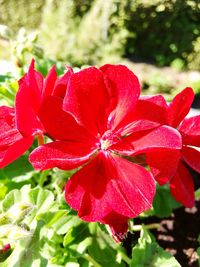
(20, 124)
(101, 121)
(172, 166)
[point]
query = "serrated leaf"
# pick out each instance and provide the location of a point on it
(26, 204)
(27, 252)
(147, 253)
(20, 225)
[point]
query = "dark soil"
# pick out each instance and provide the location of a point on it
(177, 234)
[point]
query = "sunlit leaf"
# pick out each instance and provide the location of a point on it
(149, 254)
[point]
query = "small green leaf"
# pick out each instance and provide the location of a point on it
(30, 256)
(147, 253)
(164, 203)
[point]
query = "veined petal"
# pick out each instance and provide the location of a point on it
(110, 184)
(62, 154)
(125, 88)
(87, 99)
(28, 100)
(149, 112)
(61, 125)
(8, 131)
(190, 130)
(182, 186)
(180, 106)
(152, 108)
(49, 82)
(62, 83)
(192, 157)
(14, 150)
(146, 141)
(137, 126)
(163, 164)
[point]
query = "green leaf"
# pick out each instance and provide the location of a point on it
(164, 203)
(60, 220)
(198, 250)
(147, 253)
(23, 225)
(31, 256)
(26, 204)
(3, 190)
(19, 170)
(104, 251)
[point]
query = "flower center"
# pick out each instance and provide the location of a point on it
(104, 144)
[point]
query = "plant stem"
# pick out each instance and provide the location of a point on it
(125, 257)
(90, 259)
(138, 227)
(43, 177)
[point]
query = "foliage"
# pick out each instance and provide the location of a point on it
(163, 30)
(74, 39)
(168, 29)
(148, 253)
(42, 232)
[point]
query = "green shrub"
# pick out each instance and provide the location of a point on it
(164, 31)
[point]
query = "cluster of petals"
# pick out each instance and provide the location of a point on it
(171, 166)
(20, 124)
(99, 124)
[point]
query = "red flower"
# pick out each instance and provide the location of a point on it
(171, 166)
(19, 125)
(98, 121)
(12, 142)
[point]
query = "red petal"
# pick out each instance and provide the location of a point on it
(163, 164)
(192, 157)
(145, 141)
(8, 131)
(182, 186)
(125, 88)
(152, 108)
(14, 150)
(150, 112)
(59, 124)
(110, 184)
(190, 130)
(12, 143)
(118, 226)
(87, 99)
(28, 100)
(180, 106)
(64, 155)
(137, 126)
(50, 82)
(62, 83)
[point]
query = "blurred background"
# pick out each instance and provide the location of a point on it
(158, 39)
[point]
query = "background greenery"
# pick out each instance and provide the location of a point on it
(85, 31)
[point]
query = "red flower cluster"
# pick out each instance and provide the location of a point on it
(98, 121)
